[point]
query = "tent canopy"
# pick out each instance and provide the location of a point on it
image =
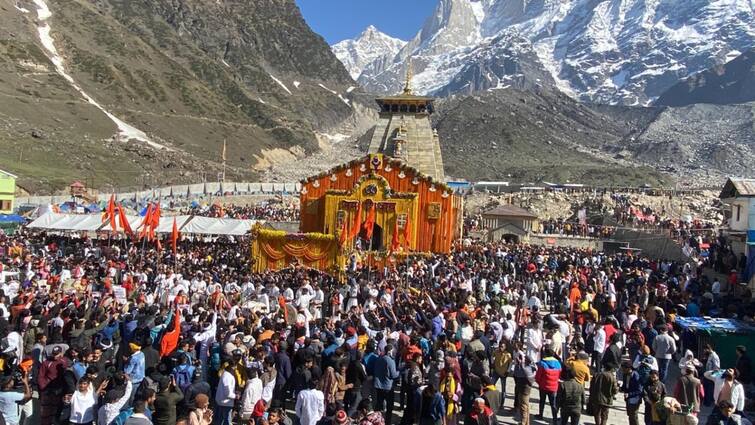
(186, 224)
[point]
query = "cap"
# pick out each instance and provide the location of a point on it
(341, 417)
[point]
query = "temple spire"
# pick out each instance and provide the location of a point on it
(408, 84)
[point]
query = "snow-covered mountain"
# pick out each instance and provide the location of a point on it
(607, 51)
(372, 45)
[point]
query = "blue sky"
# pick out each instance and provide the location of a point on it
(337, 20)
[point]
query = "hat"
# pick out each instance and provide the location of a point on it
(134, 347)
(340, 417)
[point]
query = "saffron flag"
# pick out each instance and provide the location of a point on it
(146, 222)
(395, 241)
(111, 212)
(407, 234)
(343, 237)
(123, 221)
(174, 237)
(357, 222)
(155, 221)
(369, 224)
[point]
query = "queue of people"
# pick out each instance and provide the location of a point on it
(100, 334)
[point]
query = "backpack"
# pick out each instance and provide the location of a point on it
(183, 376)
(122, 417)
(644, 372)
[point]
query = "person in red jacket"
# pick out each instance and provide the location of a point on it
(546, 376)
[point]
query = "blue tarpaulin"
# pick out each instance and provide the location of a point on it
(715, 324)
(11, 218)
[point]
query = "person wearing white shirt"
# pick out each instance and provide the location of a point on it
(599, 345)
(225, 397)
(84, 402)
(727, 388)
(113, 405)
(310, 405)
(252, 394)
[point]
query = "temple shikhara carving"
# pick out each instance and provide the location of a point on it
(388, 204)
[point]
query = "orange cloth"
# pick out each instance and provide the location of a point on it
(169, 342)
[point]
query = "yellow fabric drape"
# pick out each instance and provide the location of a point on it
(309, 251)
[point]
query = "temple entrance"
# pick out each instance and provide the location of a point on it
(377, 238)
(510, 238)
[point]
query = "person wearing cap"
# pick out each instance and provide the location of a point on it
(135, 367)
(51, 384)
(481, 414)
(385, 375)
(689, 390)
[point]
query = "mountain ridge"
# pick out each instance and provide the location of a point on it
(612, 51)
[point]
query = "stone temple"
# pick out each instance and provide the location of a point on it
(403, 131)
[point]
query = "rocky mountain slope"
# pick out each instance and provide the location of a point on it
(146, 92)
(527, 136)
(733, 82)
(610, 51)
(371, 48)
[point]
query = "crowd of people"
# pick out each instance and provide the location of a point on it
(95, 332)
(569, 228)
(269, 211)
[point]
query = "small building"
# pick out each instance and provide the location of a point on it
(7, 192)
(509, 222)
(738, 196)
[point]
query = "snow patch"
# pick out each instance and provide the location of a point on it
(261, 101)
(125, 131)
(344, 100)
(335, 138)
(321, 85)
(225, 63)
(280, 83)
(350, 89)
(21, 9)
(296, 84)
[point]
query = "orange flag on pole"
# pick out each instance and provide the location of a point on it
(123, 221)
(155, 220)
(395, 241)
(111, 212)
(343, 237)
(407, 233)
(146, 222)
(369, 224)
(174, 237)
(357, 224)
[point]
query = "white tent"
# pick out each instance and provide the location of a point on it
(216, 226)
(186, 224)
